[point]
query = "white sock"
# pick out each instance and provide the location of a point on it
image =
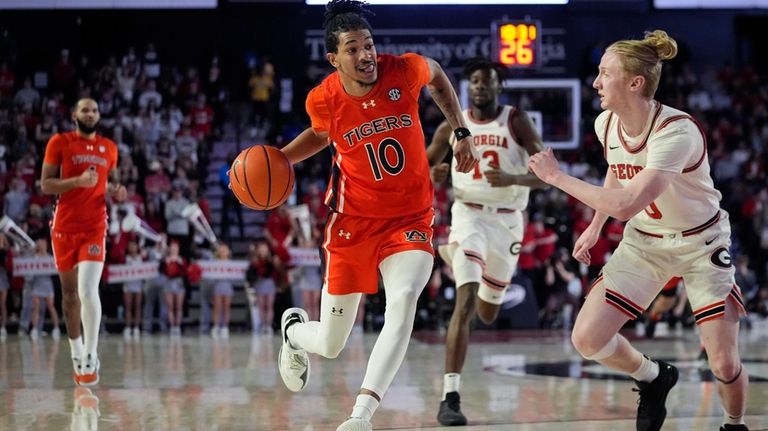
(734, 420)
(451, 383)
(365, 406)
(88, 276)
(76, 347)
(647, 371)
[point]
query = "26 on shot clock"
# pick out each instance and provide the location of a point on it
(517, 44)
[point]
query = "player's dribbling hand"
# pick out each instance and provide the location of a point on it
(439, 173)
(466, 155)
(544, 165)
(88, 178)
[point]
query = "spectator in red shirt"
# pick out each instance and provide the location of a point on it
(157, 185)
(279, 232)
(202, 118)
(64, 72)
(135, 199)
(527, 261)
(7, 81)
(314, 199)
(154, 216)
(545, 237)
(174, 267)
(261, 276)
(614, 232)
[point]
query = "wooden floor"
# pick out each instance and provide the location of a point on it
(511, 381)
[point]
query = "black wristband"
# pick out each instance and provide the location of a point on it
(461, 133)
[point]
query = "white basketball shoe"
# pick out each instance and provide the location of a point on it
(89, 371)
(293, 363)
(355, 424)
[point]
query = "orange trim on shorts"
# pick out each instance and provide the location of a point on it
(709, 312)
(624, 304)
(717, 309)
(736, 294)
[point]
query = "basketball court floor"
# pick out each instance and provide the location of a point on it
(532, 381)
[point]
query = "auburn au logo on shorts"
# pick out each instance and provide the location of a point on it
(94, 250)
(415, 236)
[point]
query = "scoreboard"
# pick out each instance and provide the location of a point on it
(516, 43)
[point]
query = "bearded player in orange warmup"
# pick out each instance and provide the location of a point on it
(380, 197)
(80, 167)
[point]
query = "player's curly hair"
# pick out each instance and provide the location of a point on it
(481, 63)
(343, 16)
(644, 57)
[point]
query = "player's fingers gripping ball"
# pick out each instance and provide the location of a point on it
(261, 177)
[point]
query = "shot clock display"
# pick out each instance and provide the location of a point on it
(517, 44)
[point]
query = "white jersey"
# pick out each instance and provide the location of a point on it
(497, 146)
(671, 141)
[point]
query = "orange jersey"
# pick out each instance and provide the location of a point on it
(380, 166)
(81, 209)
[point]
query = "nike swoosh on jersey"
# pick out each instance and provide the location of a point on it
(710, 241)
(612, 148)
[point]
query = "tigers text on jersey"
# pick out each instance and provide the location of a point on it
(496, 146)
(671, 141)
(82, 208)
(380, 166)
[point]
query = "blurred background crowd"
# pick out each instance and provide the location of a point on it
(179, 124)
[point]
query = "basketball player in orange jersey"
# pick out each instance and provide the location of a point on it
(659, 181)
(487, 219)
(380, 196)
(80, 167)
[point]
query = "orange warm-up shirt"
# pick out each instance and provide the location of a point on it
(380, 166)
(81, 209)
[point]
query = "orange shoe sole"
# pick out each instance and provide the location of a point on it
(87, 379)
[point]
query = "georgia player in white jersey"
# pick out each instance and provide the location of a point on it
(487, 220)
(659, 181)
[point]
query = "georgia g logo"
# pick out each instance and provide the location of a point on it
(721, 258)
(515, 248)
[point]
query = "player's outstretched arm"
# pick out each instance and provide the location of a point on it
(442, 92)
(620, 204)
(51, 184)
(306, 145)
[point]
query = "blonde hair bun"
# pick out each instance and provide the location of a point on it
(659, 40)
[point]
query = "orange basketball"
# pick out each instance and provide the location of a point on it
(261, 177)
